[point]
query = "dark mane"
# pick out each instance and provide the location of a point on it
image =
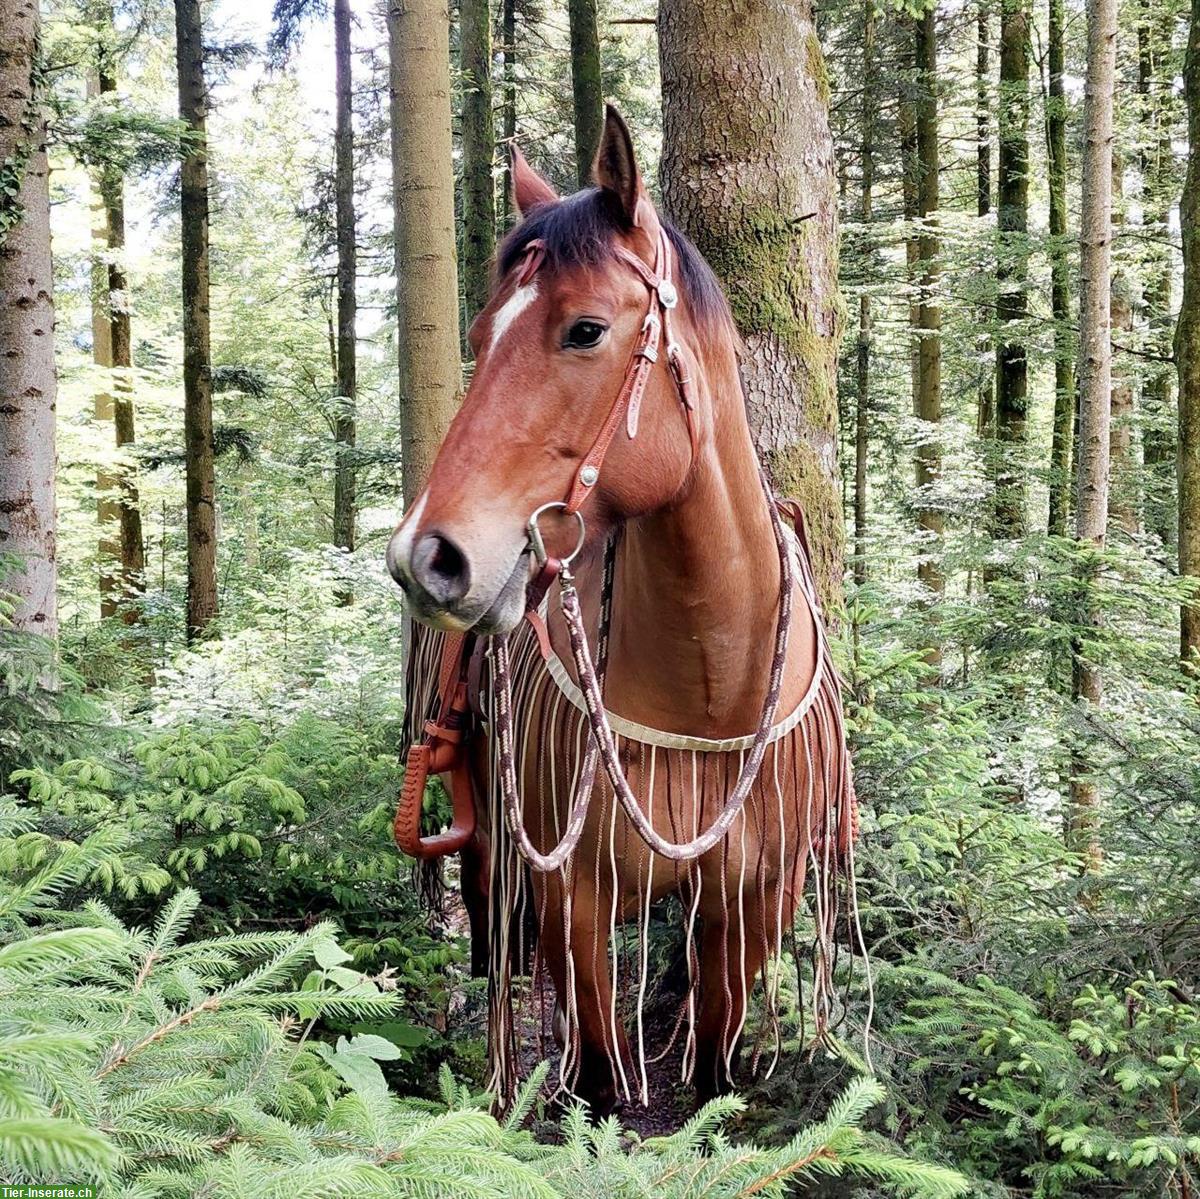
(578, 231)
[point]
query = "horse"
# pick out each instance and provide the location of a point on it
(606, 372)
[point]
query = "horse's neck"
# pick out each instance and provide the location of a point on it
(697, 600)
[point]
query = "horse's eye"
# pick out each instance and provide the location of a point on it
(583, 335)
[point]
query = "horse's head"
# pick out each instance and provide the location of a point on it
(574, 309)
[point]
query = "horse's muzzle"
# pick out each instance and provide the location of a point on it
(447, 591)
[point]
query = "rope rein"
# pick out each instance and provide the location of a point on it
(602, 742)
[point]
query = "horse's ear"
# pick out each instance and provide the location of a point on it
(529, 188)
(616, 171)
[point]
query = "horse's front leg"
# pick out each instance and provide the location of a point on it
(736, 941)
(601, 1070)
(475, 878)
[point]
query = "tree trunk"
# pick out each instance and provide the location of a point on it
(120, 502)
(1158, 193)
(1123, 504)
(28, 384)
(1095, 384)
(927, 396)
(108, 547)
(1011, 270)
(1060, 280)
(345, 418)
(1187, 356)
(986, 394)
(906, 124)
(748, 173)
(587, 87)
(983, 132)
(423, 203)
(129, 514)
(862, 404)
(508, 25)
(197, 361)
(478, 150)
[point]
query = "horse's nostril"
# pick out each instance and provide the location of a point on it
(441, 568)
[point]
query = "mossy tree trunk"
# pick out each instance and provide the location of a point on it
(479, 152)
(587, 87)
(927, 393)
(1012, 213)
(129, 513)
(1095, 390)
(197, 361)
(28, 383)
(345, 417)
(1187, 355)
(430, 368)
(748, 174)
(1060, 278)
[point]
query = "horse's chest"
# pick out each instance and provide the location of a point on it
(681, 791)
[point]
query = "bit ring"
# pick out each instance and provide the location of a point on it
(538, 546)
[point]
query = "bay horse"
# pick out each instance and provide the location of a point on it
(606, 372)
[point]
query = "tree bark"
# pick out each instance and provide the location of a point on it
(478, 150)
(906, 125)
(1011, 270)
(1095, 385)
(423, 203)
(1060, 280)
(748, 174)
(1187, 355)
(345, 417)
(862, 406)
(197, 361)
(28, 383)
(927, 396)
(587, 87)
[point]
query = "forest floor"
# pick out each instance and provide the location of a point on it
(669, 1101)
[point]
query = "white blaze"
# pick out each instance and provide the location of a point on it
(511, 309)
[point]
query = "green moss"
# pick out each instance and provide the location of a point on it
(763, 265)
(798, 474)
(815, 62)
